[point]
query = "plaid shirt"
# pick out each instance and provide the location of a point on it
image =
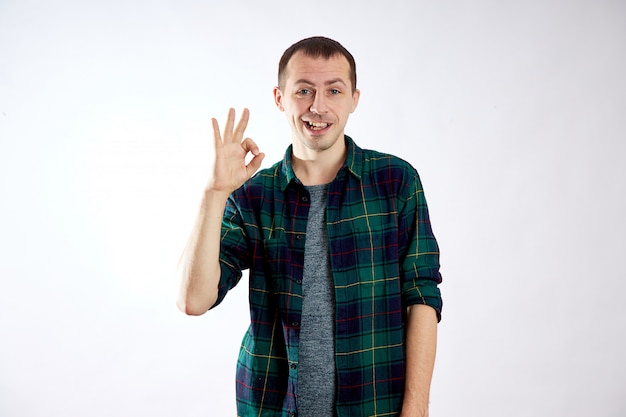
(384, 258)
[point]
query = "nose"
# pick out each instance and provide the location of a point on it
(319, 104)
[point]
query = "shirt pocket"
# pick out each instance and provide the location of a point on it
(367, 243)
(282, 264)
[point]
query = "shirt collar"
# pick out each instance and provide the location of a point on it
(353, 163)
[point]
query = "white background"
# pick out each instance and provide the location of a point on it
(514, 114)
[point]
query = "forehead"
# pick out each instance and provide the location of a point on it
(319, 69)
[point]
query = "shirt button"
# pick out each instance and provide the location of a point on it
(299, 237)
(305, 199)
(295, 324)
(293, 366)
(298, 281)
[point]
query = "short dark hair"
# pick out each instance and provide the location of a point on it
(315, 47)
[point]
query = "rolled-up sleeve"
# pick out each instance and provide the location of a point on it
(233, 249)
(420, 258)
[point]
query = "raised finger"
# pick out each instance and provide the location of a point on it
(243, 123)
(217, 137)
(230, 122)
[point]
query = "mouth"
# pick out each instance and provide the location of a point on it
(316, 126)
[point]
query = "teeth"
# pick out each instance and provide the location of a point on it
(317, 125)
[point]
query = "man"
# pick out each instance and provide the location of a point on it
(343, 265)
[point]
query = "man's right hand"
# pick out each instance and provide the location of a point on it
(230, 170)
(199, 267)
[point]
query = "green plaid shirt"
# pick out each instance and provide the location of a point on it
(384, 258)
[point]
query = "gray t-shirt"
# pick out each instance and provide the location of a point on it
(316, 354)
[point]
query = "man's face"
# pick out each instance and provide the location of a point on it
(317, 99)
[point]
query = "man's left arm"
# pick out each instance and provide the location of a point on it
(421, 346)
(421, 296)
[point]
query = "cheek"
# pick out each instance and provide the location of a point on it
(296, 108)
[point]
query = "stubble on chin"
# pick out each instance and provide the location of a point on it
(321, 143)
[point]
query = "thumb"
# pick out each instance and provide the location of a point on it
(255, 164)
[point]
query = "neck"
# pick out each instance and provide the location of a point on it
(317, 168)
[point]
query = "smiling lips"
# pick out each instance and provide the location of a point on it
(317, 125)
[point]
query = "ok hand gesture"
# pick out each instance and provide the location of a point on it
(230, 170)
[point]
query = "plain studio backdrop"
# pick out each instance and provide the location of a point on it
(514, 113)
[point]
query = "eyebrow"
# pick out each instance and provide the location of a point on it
(329, 82)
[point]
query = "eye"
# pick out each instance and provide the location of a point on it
(304, 91)
(334, 91)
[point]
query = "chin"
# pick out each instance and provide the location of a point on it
(322, 142)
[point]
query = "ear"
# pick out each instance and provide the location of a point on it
(355, 98)
(278, 99)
